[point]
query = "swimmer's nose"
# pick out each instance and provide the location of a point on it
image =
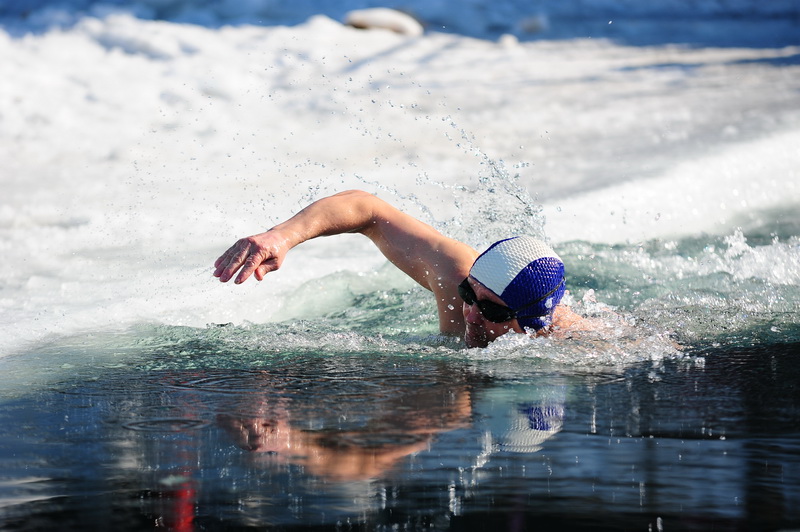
(474, 313)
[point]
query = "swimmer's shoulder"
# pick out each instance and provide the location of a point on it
(566, 319)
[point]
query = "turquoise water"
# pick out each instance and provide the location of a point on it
(681, 413)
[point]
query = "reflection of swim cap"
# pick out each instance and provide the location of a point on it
(520, 418)
(526, 274)
(531, 426)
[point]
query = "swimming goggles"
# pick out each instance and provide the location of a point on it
(495, 312)
(491, 311)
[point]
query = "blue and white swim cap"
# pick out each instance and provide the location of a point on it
(526, 274)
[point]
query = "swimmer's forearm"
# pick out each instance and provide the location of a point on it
(347, 212)
(352, 211)
(413, 246)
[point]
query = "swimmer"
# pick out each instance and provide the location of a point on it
(514, 286)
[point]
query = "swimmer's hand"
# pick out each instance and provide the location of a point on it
(258, 254)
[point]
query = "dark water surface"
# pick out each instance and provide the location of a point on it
(199, 439)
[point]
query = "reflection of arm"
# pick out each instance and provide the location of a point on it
(340, 461)
(436, 262)
(353, 454)
(431, 415)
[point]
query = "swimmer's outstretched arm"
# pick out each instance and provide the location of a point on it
(436, 262)
(263, 253)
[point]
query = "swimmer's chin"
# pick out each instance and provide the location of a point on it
(475, 341)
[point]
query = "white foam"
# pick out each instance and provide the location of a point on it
(712, 194)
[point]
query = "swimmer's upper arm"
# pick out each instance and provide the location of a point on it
(436, 262)
(419, 250)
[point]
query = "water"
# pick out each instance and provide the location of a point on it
(137, 392)
(362, 417)
(199, 430)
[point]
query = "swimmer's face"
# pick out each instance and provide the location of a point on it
(480, 331)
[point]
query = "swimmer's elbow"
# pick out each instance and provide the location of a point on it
(355, 194)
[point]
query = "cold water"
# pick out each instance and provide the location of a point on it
(682, 413)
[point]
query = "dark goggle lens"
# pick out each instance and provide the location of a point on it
(466, 292)
(490, 310)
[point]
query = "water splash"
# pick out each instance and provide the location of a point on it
(707, 290)
(491, 206)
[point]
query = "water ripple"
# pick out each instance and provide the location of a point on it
(171, 424)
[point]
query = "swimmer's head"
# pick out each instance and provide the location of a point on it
(526, 274)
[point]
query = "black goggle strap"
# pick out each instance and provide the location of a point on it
(548, 294)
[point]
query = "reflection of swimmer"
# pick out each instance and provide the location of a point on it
(355, 453)
(337, 456)
(515, 285)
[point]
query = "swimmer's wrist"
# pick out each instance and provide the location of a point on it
(285, 237)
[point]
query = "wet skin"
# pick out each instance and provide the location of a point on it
(479, 331)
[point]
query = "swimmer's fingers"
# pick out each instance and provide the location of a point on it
(255, 255)
(266, 267)
(251, 264)
(222, 259)
(222, 262)
(233, 259)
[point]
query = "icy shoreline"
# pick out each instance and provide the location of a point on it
(695, 22)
